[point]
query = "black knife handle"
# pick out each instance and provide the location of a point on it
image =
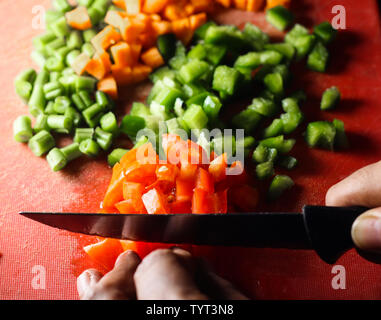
(329, 229)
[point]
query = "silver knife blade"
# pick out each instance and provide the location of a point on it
(258, 229)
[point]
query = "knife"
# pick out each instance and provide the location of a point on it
(327, 230)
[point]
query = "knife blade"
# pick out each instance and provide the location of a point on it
(323, 229)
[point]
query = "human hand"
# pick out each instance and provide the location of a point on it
(166, 274)
(362, 188)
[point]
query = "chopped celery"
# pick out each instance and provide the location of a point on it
(247, 119)
(263, 106)
(341, 140)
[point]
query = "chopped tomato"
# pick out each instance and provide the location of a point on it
(204, 181)
(201, 202)
(184, 190)
(218, 166)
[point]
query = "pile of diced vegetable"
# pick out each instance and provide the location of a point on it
(83, 62)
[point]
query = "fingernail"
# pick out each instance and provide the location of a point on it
(366, 232)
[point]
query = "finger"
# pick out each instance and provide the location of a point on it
(86, 282)
(362, 188)
(366, 231)
(167, 275)
(216, 287)
(119, 282)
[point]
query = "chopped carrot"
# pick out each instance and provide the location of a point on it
(140, 72)
(136, 49)
(105, 57)
(147, 40)
(108, 85)
(133, 6)
(175, 11)
(224, 3)
(131, 29)
(254, 5)
(96, 68)
(202, 5)
(240, 4)
(154, 6)
(274, 3)
(122, 75)
(155, 17)
(152, 58)
(181, 28)
(78, 18)
(80, 63)
(197, 20)
(161, 27)
(120, 4)
(114, 18)
(189, 9)
(106, 38)
(122, 54)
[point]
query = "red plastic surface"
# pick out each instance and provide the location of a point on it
(26, 182)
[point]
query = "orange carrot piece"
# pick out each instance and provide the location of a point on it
(240, 4)
(96, 68)
(175, 11)
(133, 6)
(131, 29)
(202, 5)
(106, 38)
(80, 63)
(154, 6)
(147, 39)
(155, 17)
(140, 72)
(161, 27)
(136, 50)
(114, 18)
(105, 57)
(152, 58)
(122, 75)
(108, 85)
(120, 4)
(181, 28)
(122, 54)
(224, 3)
(254, 5)
(197, 20)
(274, 3)
(78, 18)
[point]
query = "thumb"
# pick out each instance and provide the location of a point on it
(366, 231)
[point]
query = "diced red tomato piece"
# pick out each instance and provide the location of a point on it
(128, 158)
(155, 202)
(201, 202)
(181, 207)
(132, 190)
(141, 173)
(217, 167)
(184, 190)
(105, 252)
(220, 202)
(167, 172)
(204, 181)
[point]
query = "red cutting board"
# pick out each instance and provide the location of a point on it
(26, 182)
